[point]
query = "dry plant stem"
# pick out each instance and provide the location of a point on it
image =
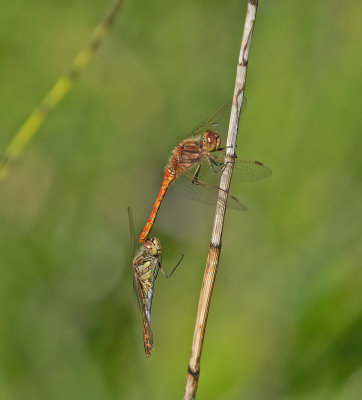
(215, 245)
(61, 87)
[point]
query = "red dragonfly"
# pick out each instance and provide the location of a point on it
(146, 263)
(204, 146)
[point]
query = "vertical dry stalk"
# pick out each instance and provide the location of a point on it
(215, 245)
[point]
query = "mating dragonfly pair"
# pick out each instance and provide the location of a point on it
(202, 152)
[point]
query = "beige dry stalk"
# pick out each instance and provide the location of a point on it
(212, 261)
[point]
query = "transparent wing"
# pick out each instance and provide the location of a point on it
(138, 292)
(145, 308)
(244, 170)
(203, 192)
(131, 231)
(143, 288)
(218, 122)
(249, 171)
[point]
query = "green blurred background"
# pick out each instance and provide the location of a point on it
(285, 320)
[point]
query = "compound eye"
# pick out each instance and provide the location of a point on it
(148, 244)
(157, 245)
(211, 141)
(218, 142)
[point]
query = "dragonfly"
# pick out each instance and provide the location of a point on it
(146, 263)
(203, 149)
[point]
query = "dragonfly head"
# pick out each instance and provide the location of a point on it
(153, 245)
(211, 141)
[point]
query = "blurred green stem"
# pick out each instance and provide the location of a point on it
(61, 87)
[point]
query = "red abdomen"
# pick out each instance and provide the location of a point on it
(168, 177)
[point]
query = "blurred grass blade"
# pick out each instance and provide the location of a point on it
(61, 87)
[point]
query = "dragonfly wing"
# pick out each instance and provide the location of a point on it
(143, 290)
(144, 305)
(131, 232)
(244, 170)
(217, 123)
(138, 292)
(144, 281)
(250, 171)
(145, 270)
(203, 192)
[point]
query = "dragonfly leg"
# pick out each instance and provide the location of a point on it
(215, 165)
(168, 276)
(217, 158)
(196, 174)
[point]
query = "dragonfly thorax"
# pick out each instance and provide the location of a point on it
(211, 141)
